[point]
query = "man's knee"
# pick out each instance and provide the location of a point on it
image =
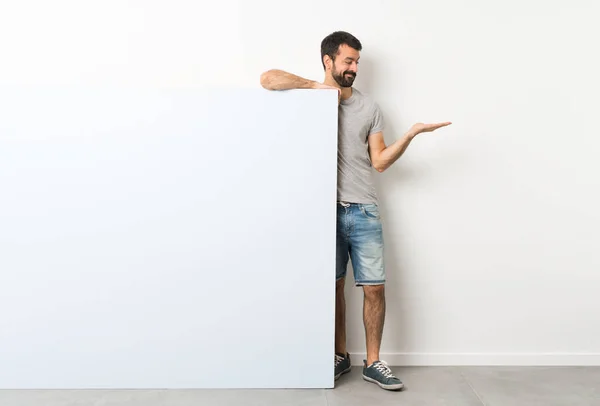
(339, 285)
(374, 291)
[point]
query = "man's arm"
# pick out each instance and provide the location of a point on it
(276, 79)
(382, 156)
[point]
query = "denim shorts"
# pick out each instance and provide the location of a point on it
(360, 239)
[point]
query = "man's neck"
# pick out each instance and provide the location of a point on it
(346, 91)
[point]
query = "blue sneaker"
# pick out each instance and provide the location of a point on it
(380, 373)
(342, 365)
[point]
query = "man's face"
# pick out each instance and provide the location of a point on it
(345, 66)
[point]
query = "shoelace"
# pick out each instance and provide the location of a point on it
(338, 359)
(383, 367)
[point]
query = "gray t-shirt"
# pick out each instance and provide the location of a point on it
(359, 116)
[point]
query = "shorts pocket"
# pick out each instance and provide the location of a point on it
(370, 211)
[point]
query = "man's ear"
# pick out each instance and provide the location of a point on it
(328, 62)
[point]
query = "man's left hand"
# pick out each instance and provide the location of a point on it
(426, 128)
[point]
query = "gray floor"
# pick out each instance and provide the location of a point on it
(427, 386)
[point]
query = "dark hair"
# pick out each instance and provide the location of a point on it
(331, 44)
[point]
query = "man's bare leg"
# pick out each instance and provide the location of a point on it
(373, 317)
(340, 317)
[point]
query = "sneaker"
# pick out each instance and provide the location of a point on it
(342, 365)
(380, 373)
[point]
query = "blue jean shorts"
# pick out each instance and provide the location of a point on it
(360, 239)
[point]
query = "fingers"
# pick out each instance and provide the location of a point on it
(438, 125)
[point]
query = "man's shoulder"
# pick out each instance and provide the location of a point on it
(371, 111)
(366, 98)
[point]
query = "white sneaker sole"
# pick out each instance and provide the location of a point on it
(397, 386)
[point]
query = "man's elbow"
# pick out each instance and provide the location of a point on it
(265, 79)
(379, 166)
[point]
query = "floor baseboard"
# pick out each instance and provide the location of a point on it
(484, 359)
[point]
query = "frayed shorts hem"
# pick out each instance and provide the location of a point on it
(368, 283)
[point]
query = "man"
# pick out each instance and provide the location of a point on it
(361, 147)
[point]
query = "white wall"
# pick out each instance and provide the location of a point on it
(491, 224)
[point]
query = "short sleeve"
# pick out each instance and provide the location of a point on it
(377, 122)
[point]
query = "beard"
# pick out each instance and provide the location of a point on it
(344, 79)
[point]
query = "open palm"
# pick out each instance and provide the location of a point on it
(426, 128)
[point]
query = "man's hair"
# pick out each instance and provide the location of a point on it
(331, 44)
